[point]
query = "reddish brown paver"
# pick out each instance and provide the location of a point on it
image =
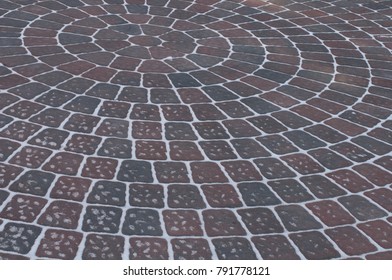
(225, 129)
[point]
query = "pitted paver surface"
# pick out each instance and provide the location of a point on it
(206, 129)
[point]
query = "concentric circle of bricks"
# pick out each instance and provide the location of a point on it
(207, 129)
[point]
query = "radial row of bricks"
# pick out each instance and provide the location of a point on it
(175, 129)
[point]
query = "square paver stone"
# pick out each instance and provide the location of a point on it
(171, 172)
(113, 128)
(350, 240)
(387, 255)
(81, 143)
(51, 117)
(146, 112)
(103, 247)
(257, 194)
(62, 214)
(185, 151)
(34, 182)
(275, 247)
(222, 223)
(235, 248)
(64, 163)
(291, 191)
(350, 180)
(59, 244)
(185, 196)
(18, 238)
(108, 192)
(81, 123)
(23, 208)
(135, 171)
(249, 148)
(218, 150)
(146, 130)
(191, 249)
(182, 223)
(207, 172)
(102, 219)
(6, 256)
(295, 218)
(146, 195)
(314, 245)
(70, 188)
(379, 231)
(211, 130)
(7, 148)
(179, 131)
(117, 148)
(241, 171)
(31, 157)
(221, 195)
(276, 144)
(260, 220)
(50, 138)
(382, 197)
(148, 249)
(322, 187)
(100, 168)
(3, 196)
(331, 213)
(361, 208)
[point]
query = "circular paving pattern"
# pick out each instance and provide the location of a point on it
(207, 129)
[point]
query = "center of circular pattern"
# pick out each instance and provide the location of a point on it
(151, 51)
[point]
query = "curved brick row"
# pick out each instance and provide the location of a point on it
(176, 129)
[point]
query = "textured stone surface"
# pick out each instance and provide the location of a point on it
(222, 129)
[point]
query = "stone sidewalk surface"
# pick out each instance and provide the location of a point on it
(205, 129)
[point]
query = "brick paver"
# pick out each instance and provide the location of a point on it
(179, 129)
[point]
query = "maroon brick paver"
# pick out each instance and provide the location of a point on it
(182, 222)
(221, 196)
(61, 214)
(191, 249)
(260, 220)
(224, 129)
(33, 182)
(378, 231)
(64, 163)
(108, 193)
(59, 244)
(148, 248)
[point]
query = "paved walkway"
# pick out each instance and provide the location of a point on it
(223, 129)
